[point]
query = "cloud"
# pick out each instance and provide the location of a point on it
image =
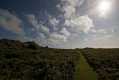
(46, 35)
(54, 21)
(10, 21)
(44, 29)
(102, 31)
(56, 38)
(81, 23)
(32, 20)
(59, 37)
(101, 38)
(65, 32)
(69, 27)
(103, 41)
(72, 19)
(67, 7)
(59, 29)
(52, 40)
(40, 27)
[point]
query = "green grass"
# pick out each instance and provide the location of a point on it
(84, 71)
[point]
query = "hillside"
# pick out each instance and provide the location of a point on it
(28, 61)
(15, 44)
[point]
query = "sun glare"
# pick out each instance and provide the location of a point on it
(104, 7)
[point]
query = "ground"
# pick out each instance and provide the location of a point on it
(84, 71)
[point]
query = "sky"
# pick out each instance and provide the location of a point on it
(61, 23)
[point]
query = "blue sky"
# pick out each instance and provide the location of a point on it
(61, 23)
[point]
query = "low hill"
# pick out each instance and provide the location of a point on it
(15, 44)
(28, 61)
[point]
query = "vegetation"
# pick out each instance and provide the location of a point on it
(41, 64)
(104, 61)
(28, 61)
(85, 71)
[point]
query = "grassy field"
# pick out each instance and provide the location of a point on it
(84, 71)
(104, 61)
(42, 64)
(28, 61)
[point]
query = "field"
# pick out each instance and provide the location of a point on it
(28, 61)
(85, 71)
(104, 61)
(42, 64)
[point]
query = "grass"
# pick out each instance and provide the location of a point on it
(42, 64)
(84, 71)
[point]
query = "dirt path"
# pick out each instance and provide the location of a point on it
(84, 71)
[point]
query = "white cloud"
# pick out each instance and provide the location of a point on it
(38, 25)
(56, 38)
(32, 19)
(65, 32)
(60, 29)
(54, 21)
(68, 11)
(45, 37)
(10, 21)
(72, 23)
(68, 7)
(102, 31)
(81, 23)
(54, 33)
(72, 19)
(99, 31)
(104, 41)
(41, 39)
(44, 29)
(72, 30)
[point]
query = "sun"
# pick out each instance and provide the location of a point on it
(104, 7)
